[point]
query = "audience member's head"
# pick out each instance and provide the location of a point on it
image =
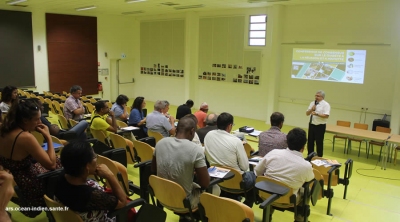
(296, 139)
(225, 122)
(25, 114)
(277, 119)
(161, 106)
(193, 117)
(189, 103)
(122, 100)
(9, 94)
(186, 128)
(76, 91)
(211, 119)
(101, 107)
(204, 107)
(78, 159)
(139, 103)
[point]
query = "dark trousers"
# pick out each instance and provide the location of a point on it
(316, 133)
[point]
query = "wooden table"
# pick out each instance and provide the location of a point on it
(366, 134)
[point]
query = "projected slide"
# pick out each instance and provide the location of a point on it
(329, 65)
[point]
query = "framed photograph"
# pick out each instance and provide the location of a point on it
(229, 66)
(223, 66)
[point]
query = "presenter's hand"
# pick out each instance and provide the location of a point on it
(313, 108)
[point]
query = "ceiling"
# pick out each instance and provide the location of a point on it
(149, 7)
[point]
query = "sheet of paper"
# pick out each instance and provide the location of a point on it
(217, 172)
(130, 128)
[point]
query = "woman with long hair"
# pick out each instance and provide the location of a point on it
(136, 118)
(9, 96)
(22, 154)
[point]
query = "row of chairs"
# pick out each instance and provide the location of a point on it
(369, 145)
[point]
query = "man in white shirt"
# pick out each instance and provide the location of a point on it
(225, 149)
(319, 111)
(288, 165)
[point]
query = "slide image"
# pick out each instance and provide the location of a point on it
(329, 65)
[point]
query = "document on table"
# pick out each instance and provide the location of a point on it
(326, 163)
(255, 133)
(130, 128)
(217, 172)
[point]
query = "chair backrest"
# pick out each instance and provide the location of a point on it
(89, 107)
(173, 197)
(111, 165)
(383, 129)
(100, 136)
(362, 126)
(343, 123)
(285, 199)
(63, 122)
(224, 209)
(324, 171)
(144, 150)
(61, 215)
(93, 100)
(156, 135)
(248, 149)
(39, 137)
(117, 141)
(234, 183)
(72, 122)
(121, 124)
(57, 107)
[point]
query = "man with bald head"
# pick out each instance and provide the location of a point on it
(201, 114)
(191, 158)
(211, 124)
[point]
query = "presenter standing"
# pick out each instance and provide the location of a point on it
(319, 111)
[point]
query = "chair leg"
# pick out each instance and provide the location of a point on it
(333, 144)
(359, 149)
(380, 154)
(395, 156)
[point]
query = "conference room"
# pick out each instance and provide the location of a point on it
(121, 39)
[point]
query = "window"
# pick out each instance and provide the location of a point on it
(257, 32)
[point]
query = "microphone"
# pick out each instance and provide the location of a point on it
(316, 102)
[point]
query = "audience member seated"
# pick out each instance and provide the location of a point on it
(120, 109)
(191, 158)
(136, 118)
(288, 165)
(272, 138)
(160, 121)
(54, 129)
(104, 120)
(201, 114)
(73, 107)
(211, 124)
(195, 139)
(6, 192)
(184, 109)
(24, 156)
(9, 96)
(87, 197)
(225, 149)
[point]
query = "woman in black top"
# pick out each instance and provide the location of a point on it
(87, 197)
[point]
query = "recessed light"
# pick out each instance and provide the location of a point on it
(86, 8)
(133, 1)
(13, 2)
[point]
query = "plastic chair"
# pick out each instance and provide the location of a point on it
(72, 122)
(39, 137)
(395, 154)
(378, 143)
(175, 197)
(57, 107)
(363, 127)
(337, 136)
(100, 136)
(121, 124)
(156, 135)
(214, 209)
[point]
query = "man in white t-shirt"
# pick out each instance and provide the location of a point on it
(319, 111)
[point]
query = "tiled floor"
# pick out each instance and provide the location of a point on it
(368, 198)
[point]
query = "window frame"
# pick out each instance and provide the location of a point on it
(250, 30)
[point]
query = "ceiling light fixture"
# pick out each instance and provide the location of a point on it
(13, 2)
(133, 1)
(189, 7)
(132, 12)
(86, 8)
